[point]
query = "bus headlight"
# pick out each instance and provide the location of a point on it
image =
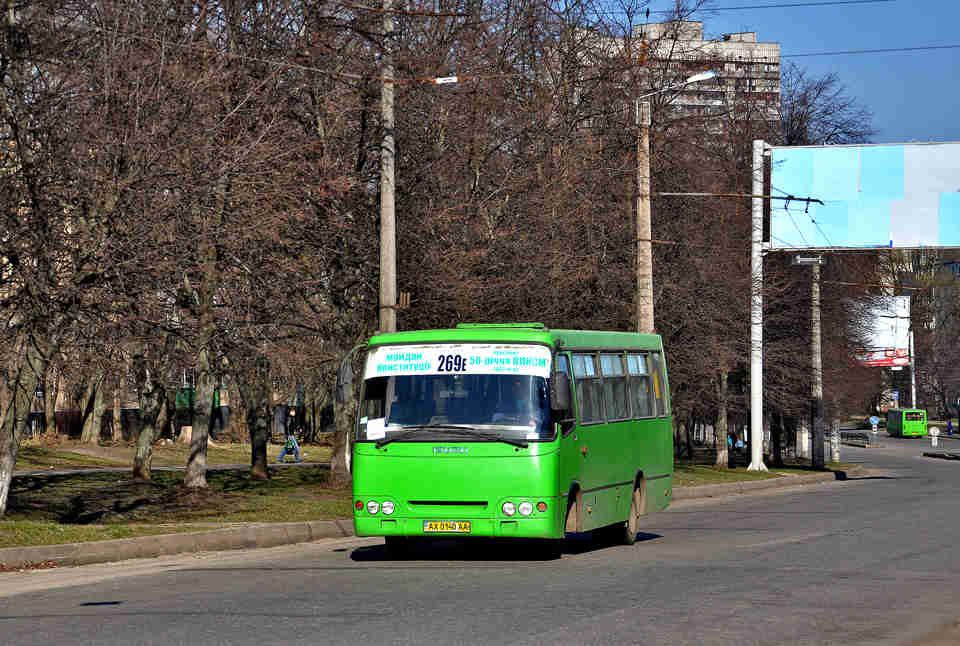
(387, 507)
(373, 507)
(508, 508)
(525, 508)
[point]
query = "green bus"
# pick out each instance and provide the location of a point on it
(511, 430)
(907, 422)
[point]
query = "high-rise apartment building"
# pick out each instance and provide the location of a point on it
(748, 71)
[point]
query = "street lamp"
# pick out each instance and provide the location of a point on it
(644, 234)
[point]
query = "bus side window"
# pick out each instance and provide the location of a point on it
(640, 392)
(589, 401)
(614, 387)
(659, 389)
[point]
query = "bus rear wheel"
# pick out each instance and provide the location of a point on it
(632, 524)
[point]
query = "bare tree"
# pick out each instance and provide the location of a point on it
(819, 111)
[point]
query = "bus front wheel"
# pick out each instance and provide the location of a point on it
(551, 548)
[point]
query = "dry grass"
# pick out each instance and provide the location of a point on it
(59, 453)
(96, 506)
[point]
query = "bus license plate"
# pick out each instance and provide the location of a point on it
(450, 526)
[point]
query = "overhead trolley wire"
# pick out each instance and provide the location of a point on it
(785, 5)
(873, 51)
(788, 5)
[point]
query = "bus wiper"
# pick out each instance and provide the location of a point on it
(457, 430)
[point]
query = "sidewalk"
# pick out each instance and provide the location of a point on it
(257, 535)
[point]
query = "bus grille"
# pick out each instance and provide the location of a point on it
(450, 503)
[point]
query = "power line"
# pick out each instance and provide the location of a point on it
(796, 226)
(806, 212)
(786, 5)
(873, 51)
(840, 282)
(793, 4)
(785, 243)
(438, 80)
(406, 12)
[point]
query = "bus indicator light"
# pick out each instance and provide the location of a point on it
(541, 506)
(359, 505)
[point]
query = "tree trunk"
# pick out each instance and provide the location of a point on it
(152, 399)
(94, 420)
(720, 429)
(345, 417)
(21, 380)
(776, 439)
(51, 389)
(195, 476)
(258, 422)
(117, 434)
(254, 389)
(86, 407)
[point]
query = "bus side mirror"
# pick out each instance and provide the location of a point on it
(560, 392)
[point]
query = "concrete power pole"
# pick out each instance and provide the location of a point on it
(913, 368)
(388, 225)
(756, 312)
(644, 229)
(816, 389)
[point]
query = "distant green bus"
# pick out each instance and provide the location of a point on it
(511, 430)
(907, 422)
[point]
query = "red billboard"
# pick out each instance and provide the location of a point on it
(884, 358)
(889, 338)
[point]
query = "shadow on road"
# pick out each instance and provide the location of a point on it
(486, 549)
(842, 475)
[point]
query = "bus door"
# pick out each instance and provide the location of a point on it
(586, 450)
(571, 440)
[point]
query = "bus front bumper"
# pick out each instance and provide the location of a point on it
(541, 527)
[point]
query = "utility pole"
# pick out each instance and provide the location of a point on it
(644, 229)
(388, 224)
(913, 367)
(756, 312)
(816, 389)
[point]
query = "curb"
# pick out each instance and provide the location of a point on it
(232, 538)
(943, 456)
(275, 534)
(713, 491)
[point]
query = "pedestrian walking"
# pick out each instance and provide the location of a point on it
(290, 445)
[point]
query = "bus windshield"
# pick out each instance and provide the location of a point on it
(503, 406)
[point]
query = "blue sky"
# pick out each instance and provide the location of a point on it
(914, 95)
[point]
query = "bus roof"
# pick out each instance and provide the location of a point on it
(523, 333)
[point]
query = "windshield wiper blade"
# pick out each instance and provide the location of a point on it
(460, 430)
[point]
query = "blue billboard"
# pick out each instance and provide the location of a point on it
(896, 195)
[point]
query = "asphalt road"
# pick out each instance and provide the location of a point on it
(870, 560)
